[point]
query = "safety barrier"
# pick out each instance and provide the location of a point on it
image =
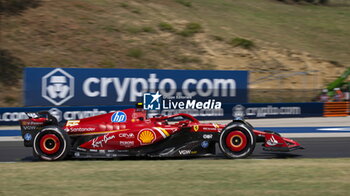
(10, 116)
(336, 109)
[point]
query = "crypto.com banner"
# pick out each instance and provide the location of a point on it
(74, 86)
(10, 116)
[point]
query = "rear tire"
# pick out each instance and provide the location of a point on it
(51, 143)
(237, 140)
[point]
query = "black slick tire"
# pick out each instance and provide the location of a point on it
(51, 143)
(237, 140)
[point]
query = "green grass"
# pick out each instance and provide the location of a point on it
(188, 59)
(184, 3)
(135, 53)
(217, 38)
(148, 29)
(319, 30)
(138, 29)
(191, 29)
(130, 8)
(178, 177)
(164, 26)
(241, 42)
(76, 33)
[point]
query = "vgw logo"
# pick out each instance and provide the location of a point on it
(152, 101)
(57, 86)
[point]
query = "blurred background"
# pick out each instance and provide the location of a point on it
(290, 47)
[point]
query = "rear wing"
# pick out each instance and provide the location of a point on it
(35, 122)
(42, 114)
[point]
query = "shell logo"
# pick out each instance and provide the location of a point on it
(216, 125)
(146, 136)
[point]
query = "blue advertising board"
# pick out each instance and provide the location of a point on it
(274, 110)
(10, 116)
(85, 87)
(254, 110)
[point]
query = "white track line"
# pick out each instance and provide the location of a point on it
(10, 128)
(314, 135)
(11, 138)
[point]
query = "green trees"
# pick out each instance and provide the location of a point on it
(10, 68)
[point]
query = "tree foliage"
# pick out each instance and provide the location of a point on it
(10, 68)
(14, 7)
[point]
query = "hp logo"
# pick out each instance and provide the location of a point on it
(118, 117)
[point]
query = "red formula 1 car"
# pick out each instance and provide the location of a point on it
(130, 133)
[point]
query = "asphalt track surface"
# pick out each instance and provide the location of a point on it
(331, 145)
(14, 151)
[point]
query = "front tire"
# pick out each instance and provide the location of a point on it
(237, 140)
(51, 143)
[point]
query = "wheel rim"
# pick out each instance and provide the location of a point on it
(49, 144)
(236, 141)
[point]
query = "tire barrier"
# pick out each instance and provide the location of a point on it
(336, 109)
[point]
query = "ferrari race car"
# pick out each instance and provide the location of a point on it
(130, 133)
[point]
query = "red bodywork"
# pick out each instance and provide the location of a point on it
(130, 133)
(136, 131)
